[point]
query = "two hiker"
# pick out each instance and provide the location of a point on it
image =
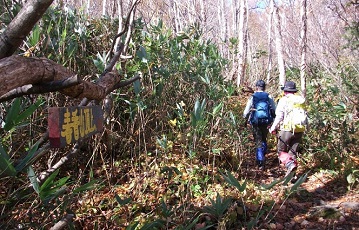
(290, 118)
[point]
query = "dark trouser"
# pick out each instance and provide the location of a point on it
(287, 146)
(260, 133)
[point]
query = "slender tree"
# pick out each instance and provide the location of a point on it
(202, 12)
(279, 44)
(270, 50)
(242, 40)
(303, 36)
(104, 7)
(88, 5)
(120, 21)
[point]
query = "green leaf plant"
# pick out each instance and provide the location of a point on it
(230, 179)
(17, 116)
(218, 208)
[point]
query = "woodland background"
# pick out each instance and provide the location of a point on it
(173, 78)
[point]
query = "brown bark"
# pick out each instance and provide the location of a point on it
(41, 88)
(21, 26)
(19, 71)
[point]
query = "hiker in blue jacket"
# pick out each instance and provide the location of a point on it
(259, 112)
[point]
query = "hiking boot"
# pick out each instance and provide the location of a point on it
(265, 148)
(260, 165)
(291, 168)
(260, 158)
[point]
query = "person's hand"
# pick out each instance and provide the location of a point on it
(245, 122)
(272, 130)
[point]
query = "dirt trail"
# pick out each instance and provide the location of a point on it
(322, 202)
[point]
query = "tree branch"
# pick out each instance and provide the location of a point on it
(17, 71)
(127, 82)
(126, 25)
(21, 25)
(63, 160)
(41, 88)
(63, 222)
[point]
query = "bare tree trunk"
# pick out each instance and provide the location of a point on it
(191, 11)
(237, 15)
(88, 7)
(226, 33)
(222, 25)
(114, 9)
(202, 11)
(120, 21)
(303, 36)
(104, 7)
(278, 32)
(176, 15)
(270, 50)
(242, 43)
(235, 29)
(130, 26)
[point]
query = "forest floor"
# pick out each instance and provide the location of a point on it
(132, 191)
(322, 201)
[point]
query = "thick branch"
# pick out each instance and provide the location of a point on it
(16, 71)
(21, 26)
(63, 223)
(41, 88)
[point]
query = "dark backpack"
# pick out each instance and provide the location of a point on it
(262, 113)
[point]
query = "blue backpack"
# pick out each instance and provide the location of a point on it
(261, 111)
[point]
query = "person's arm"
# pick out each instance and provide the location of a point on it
(307, 127)
(272, 103)
(279, 115)
(247, 110)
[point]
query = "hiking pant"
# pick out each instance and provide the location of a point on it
(287, 150)
(260, 133)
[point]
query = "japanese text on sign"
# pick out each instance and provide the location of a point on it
(68, 125)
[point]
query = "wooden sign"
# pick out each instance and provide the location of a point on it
(68, 124)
